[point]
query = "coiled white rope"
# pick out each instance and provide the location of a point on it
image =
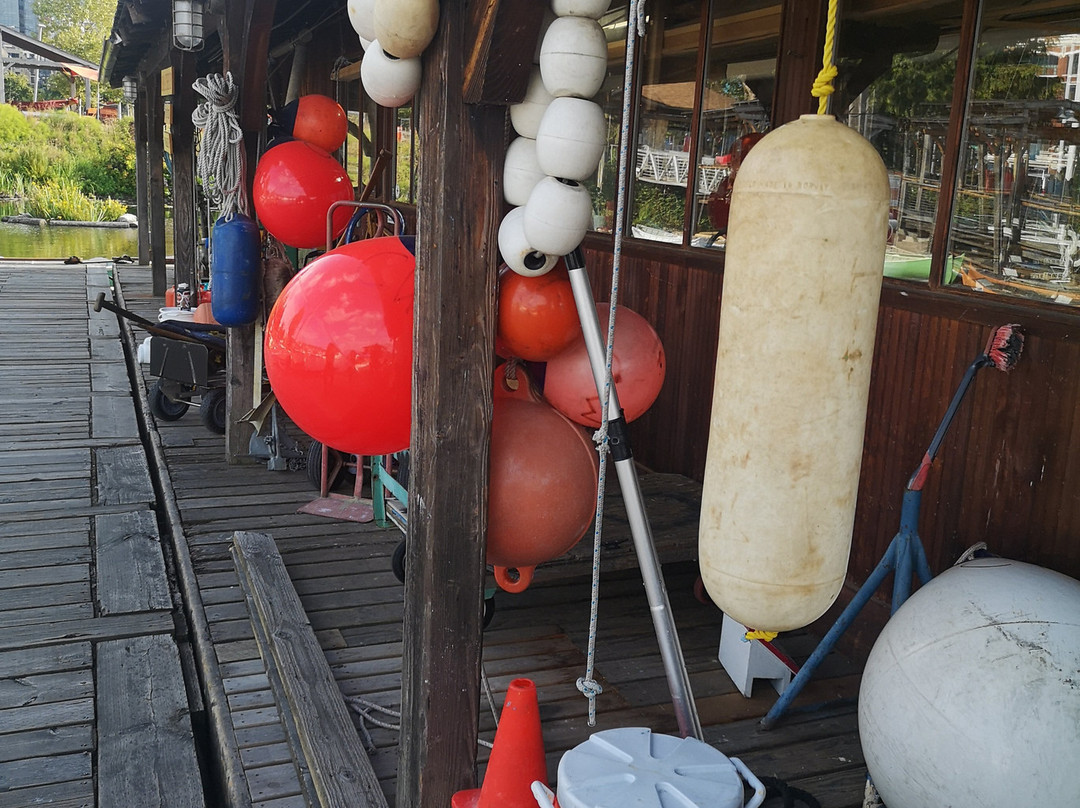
(635, 28)
(221, 155)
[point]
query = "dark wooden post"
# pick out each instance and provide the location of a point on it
(246, 40)
(458, 209)
(155, 158)
(142, 173)
(802, 32)
(183, 145)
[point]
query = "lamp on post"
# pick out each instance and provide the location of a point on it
(188, 24)
(131, 89)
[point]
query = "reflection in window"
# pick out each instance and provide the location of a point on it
(405, 156)
(903, 110)
(1016, 218)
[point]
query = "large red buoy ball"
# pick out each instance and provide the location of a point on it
(542, 482)
(637, 369)
(295, 185)
(315, 119)
(338, 347)
(537, 315)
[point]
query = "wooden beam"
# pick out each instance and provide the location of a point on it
(802, 32)
(245, 39)
(501, 57)
(155, 161)
(459, 206)
(142, 175)
(183, 143)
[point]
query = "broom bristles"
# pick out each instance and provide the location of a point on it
(1004, 346)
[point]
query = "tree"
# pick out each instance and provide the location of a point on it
(77, 27)
(17, 87)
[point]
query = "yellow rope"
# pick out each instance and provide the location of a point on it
(823, 86)
(757, 634)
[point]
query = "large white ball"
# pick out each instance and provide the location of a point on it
(580, 8)
(521, 171)
(573, 57)
(517, 252)
(557, 216)
(389, 81)
(406, 27)
(571, 138)
(362, 18)
(971, 695)
(527, 115)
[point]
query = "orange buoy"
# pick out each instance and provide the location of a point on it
(542, 482)
(537, 315)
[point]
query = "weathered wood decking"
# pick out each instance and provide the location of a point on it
(93, 705)
(342, 573)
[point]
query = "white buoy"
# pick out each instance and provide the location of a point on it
(526, 116)
(594, 9)
(362, 19)
(521, 171)
(971, 694)
(405, 27)
(802, 278)
(557, 215)
(573, 57)
(571, 138)
(516, 251)
(389, 81)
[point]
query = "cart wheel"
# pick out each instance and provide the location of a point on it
(165, 408)
(343, 477)
(489, 610)
(397, 562)
(213, 411)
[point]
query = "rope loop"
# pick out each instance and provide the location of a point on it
(220, 166)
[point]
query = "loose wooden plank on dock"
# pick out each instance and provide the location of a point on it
(340, 769)
(123, 476)
(144, 727)
(130, 566)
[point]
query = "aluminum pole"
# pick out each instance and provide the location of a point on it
(663, 622)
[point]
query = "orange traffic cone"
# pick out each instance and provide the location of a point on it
(517, 758)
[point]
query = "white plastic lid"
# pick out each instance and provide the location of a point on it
(631, 767)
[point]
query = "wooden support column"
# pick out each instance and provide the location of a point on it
(142, 174)
(155, 160)
(245, 36)
(802, 32)
(458, 210)
(183, 145)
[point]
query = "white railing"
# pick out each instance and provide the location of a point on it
(670, 167)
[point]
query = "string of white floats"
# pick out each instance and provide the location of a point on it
(561, 131)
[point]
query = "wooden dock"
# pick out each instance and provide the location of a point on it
(352, 601)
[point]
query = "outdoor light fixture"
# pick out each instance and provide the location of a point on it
(131, 89)
(188, 24)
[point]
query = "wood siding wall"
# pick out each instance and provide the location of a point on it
(1008, 472)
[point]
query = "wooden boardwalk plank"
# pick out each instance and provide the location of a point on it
(339, 767)
(144, 726)
(130, 566)
(123, 477)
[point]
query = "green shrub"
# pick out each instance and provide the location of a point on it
(62, 199)
(13, 125)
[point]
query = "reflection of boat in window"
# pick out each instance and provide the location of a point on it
(899, 264)
(1032, 281)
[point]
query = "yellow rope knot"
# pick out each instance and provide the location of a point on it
(765, 636)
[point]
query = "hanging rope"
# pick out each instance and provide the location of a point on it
(823, 84)
(221, 155)
(635, 28)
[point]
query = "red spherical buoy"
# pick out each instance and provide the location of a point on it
(542, 484)
(316, 119)
(537, 315)
(637, 369)
(295, 185)
(338, 348)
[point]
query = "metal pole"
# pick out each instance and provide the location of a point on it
(663, 622)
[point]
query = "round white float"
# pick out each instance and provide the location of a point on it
(362, 19)
(633, 766)
(521, 171)
(405, 27)
(557, 215)
(571, 138)
(516, 251)
(389, 81)
(573, 57)
(527, 115)
(971, 694)
(593, 9)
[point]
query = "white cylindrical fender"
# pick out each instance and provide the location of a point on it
(362, 18)
(521, 171)
(527, 115)
(405, 27)
(593, 9)
(389, 81)
(571, 138)
(557, 215)
(573, 57)
(516, 251)
(802, 278)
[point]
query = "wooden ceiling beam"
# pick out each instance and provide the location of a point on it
(498, 64)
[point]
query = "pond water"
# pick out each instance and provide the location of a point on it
(28, 241)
